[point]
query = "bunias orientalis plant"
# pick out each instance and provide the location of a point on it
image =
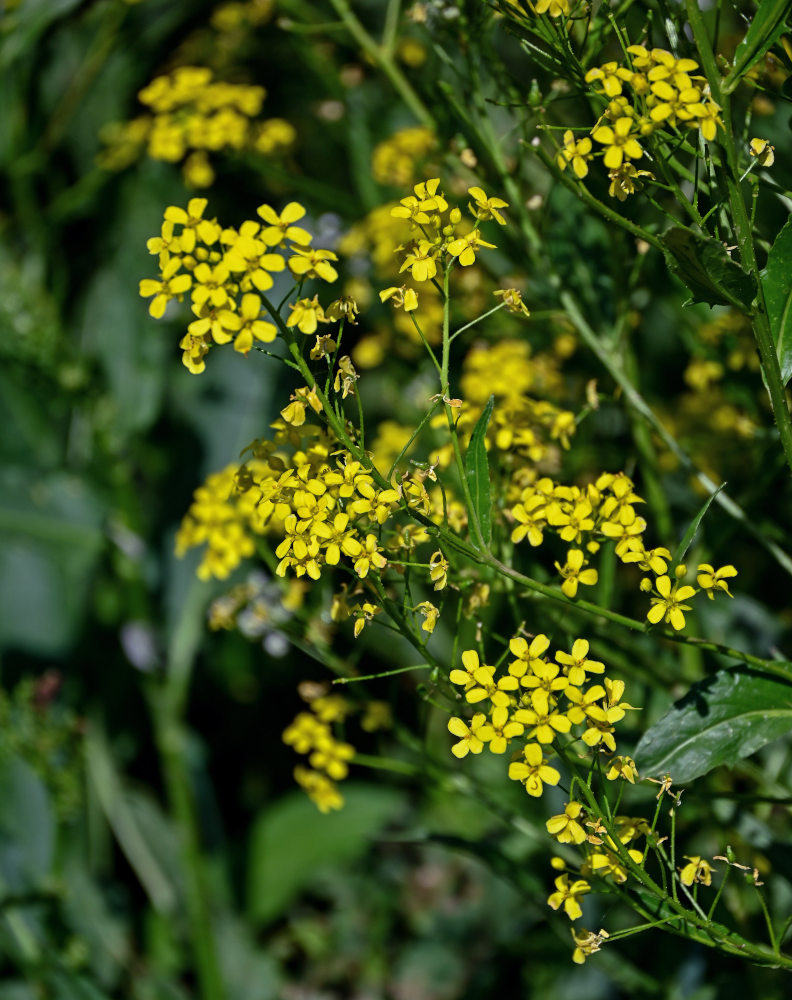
(447, 526)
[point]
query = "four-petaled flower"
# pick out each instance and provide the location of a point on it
(668, 604)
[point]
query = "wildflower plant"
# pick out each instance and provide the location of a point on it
(529, 582)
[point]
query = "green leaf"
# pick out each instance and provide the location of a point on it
(477, 473)
(292, 841)
(687, 538)
(27, 827)
(777, 286)
(765, 30)
(703, 264)
(721, 720)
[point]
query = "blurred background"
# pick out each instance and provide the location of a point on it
(152, 843)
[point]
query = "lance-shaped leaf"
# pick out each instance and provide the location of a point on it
(687, 538)
(777, 287)
(703, 264)
(721, 720)
(477, 473)
(766, 28)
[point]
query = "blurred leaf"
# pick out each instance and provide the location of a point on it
(777, 286)
(292, 840)
(23, 26)
(50, 539)
(703, 264)
(27, 827)
(721, 720)
(766, 28)
(249, 972)
(144, 834)
(65, 985)
(478, 475)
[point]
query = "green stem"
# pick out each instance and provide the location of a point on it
(763, 333)
(381, 56)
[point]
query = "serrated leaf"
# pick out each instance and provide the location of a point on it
(721, 720)
(777, 287)
(703, 264)
(477, 473)
(765, 29)
(689, 535)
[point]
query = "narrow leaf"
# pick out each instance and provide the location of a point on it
(477, 473)
(687, 538)
(765, 29)
(721, 720)
(703, 264)
(777, 287)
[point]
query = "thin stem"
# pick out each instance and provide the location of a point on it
(763, 333)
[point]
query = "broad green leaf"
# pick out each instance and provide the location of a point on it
(689, 535)
(291, 841)
(703, 264)
(27, 827)
(777, 287)
(721, 720)
(477, 473)
(766, 27)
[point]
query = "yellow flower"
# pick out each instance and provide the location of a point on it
(430, 614)
(542, 716)
(574, 574)
(307, 262)
(626, 181)
(533, 771)
(170, 286)
(567, 894)
(500, 730)
(565, 827)
(281, 227)
(763, 152)
(403, 297)
(420, 261)
(620, 141)
(438, 570)
(697, 870)
(608, 77)
(466, 247)
(306, 314)
(668, 604)
(246, 325)
(577, 152)
(622, 767)
(486, 208)
(710, 579)
(555, 8)
(469, 739)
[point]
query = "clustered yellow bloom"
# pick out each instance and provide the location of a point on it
(311, 734)
(668, 597)
(665, 93)
(322, 503)
(536, 699)
(226, 271)
(190, 116)
(437, 230)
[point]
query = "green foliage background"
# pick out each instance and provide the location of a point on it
(407, 893)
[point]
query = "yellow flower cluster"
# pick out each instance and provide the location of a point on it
(311, 734)
(438, 233)
(601, 858)
(190, 116)
(321, 502)
(536, 699)
(664, 93)
(226, 270)
(668, 596)
(393, 161)
(522, 427)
